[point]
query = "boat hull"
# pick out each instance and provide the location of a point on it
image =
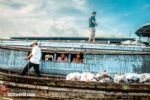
(56, 87)
(72, 93)
(12, 58)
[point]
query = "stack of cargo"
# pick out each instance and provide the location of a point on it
(105, 77)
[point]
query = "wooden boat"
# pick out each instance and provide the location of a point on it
(121, 58)
(56, 87)
(96, 58)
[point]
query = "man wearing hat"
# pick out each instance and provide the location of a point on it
(34, 59)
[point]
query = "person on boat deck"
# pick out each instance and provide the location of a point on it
(49, 57)
(77, 58)
(34, 60)
(92, 25)
(62, 58)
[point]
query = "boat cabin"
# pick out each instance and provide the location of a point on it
(94, 58)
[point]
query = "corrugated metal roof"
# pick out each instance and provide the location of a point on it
(68, 38)
(70, 46)
(144, 31)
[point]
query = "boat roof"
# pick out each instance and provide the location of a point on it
(75, 46)
(144, 31)
(73, 39)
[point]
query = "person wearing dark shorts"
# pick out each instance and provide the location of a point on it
(34, 60)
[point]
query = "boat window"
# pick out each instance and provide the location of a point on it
(77, 58)
(62, 57)
(48, 56)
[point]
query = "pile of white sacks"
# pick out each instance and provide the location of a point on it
(105, 77)
(87, 76)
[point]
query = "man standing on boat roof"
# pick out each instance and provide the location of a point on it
(92, 25)
(34, 59)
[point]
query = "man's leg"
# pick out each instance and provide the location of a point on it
(26, 68)
(93, 35)
(90, 40)
(93, 40)
(90, 35)
(36, 69)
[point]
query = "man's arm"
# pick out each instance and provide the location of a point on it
(28, 57)
(94, 21)
(31, 54)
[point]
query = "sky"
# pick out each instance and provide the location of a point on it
(69, 18)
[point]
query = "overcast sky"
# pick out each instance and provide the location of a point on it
(115, 18)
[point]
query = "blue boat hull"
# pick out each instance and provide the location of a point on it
(113, 63)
